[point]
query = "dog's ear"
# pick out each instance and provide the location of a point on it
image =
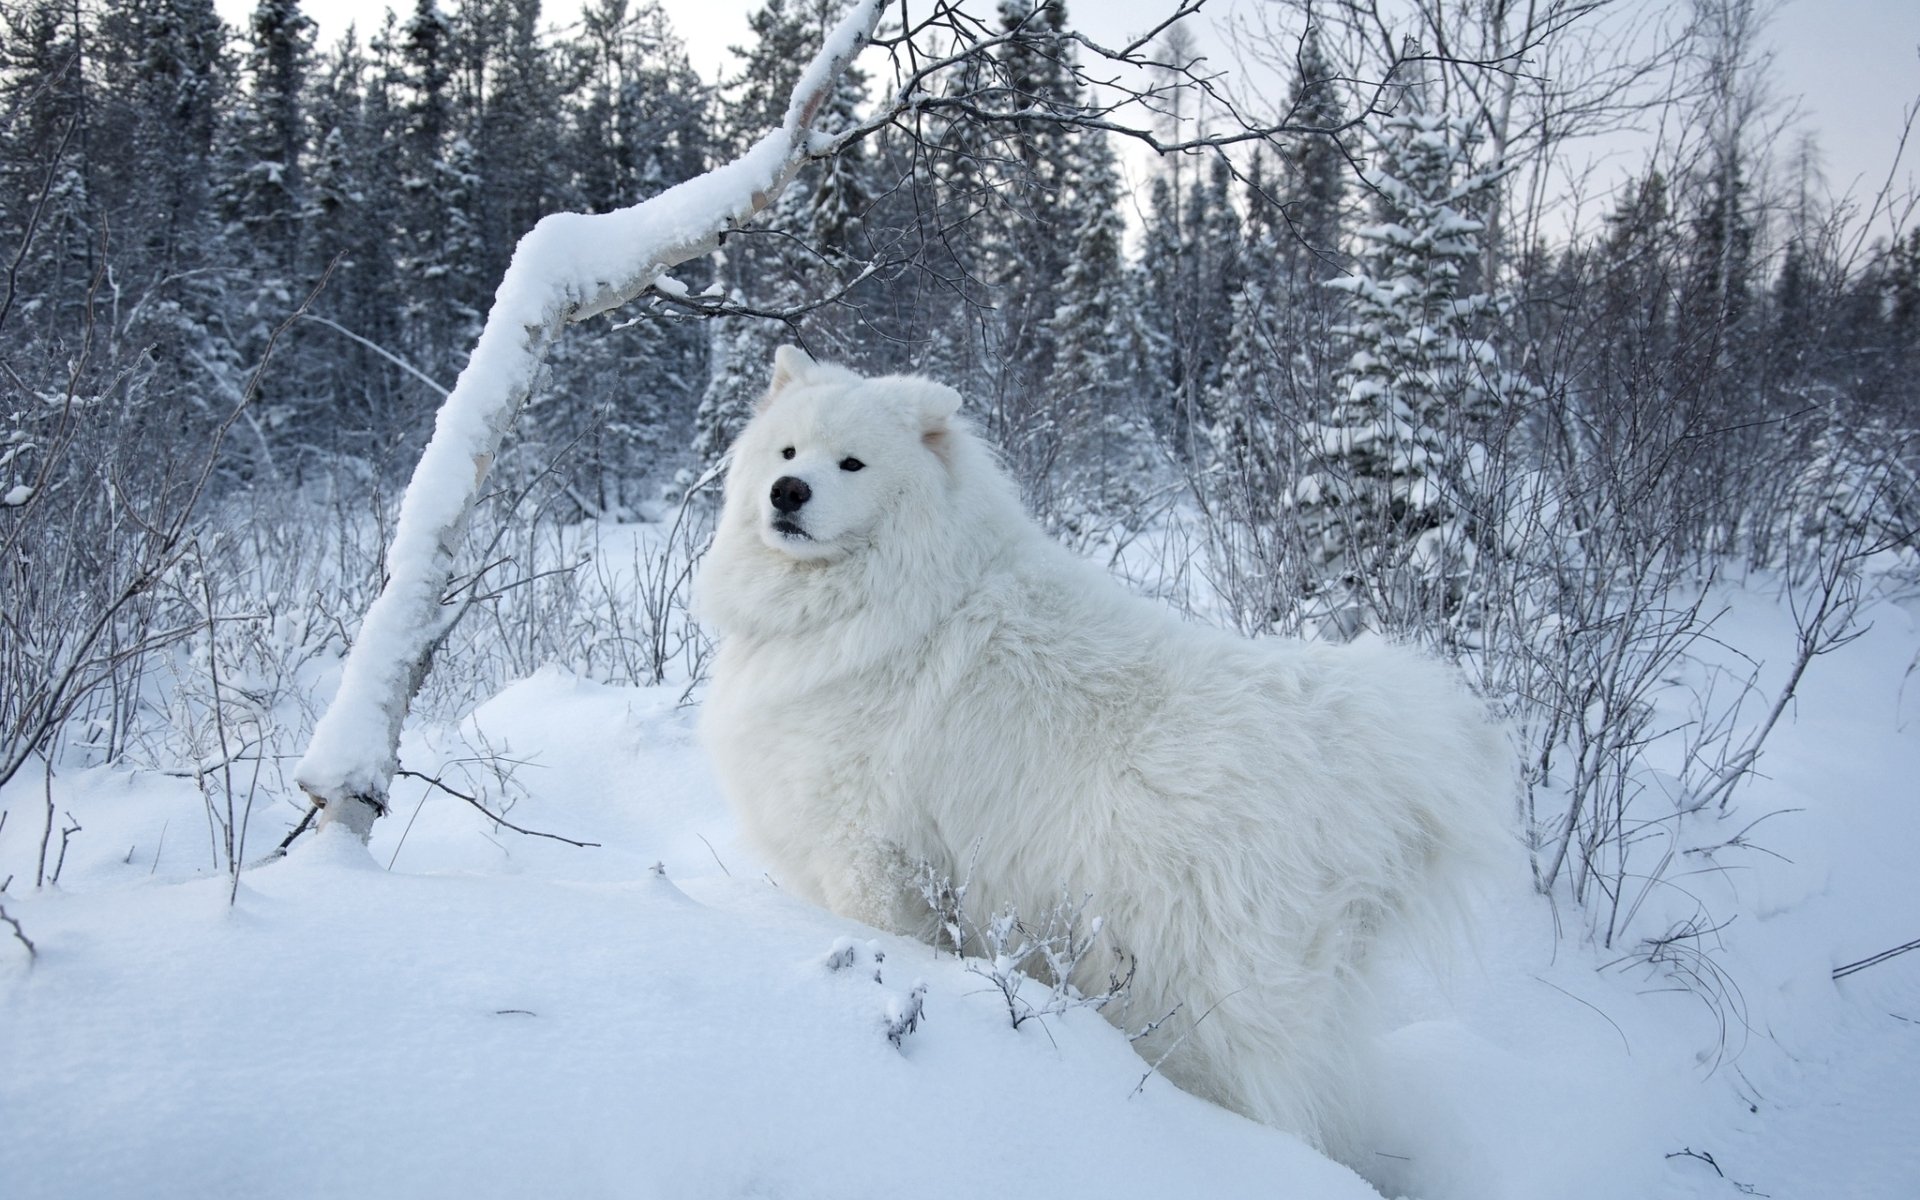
(936, 404)
(790, 365)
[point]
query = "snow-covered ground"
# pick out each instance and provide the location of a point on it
(460, 1010)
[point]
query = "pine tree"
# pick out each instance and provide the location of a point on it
(511, 119)
(1160, 284)
(147, 146)
(1315, 165)
(642, 112)
(1386, 507)
(1245, 398)
(630, 395)
(957, 203)
(438, 197)
(738, 364)
(1212, 255)
(1098, 343)
(263, 147)
(1720, 278)
(166, 78)
(267, 148)
(1028, 258)
(1191, 260)
(816, 226)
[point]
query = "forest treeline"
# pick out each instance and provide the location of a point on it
(172, 190)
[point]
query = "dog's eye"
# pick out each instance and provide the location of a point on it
(787, 453)
(851, 464)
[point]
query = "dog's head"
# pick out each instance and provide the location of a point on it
(830, 456)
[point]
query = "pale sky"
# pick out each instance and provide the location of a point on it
(1850, 66)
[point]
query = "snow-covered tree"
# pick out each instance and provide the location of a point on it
(642, 125)
(737, 366)
(1314, 173)
(1388, 502)
(1098, 344)
(1245, 397)
(436, 217)
(1026, 256)
(1159, 282)
(268, 144)
(1191, 260)
(812, 241)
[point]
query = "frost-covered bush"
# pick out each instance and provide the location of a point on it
(1027, 959)
(901, 1012)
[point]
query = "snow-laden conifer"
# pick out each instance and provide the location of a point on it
(1387, 503)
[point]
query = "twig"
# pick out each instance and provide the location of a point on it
(1184, 1035)
(1703, 1156)
(715, 853)
(19, 933)
(438, 387)
(1624, 1043)
(280, 851)
(66, 834)
(1884, 955)
(434, 781)
(1745, 1189)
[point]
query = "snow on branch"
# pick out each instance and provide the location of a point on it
(569, 267)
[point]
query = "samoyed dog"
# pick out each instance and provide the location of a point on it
(911, 672)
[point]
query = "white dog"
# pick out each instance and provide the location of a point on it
(911, 672)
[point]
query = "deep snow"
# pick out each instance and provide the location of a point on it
(497, 1015)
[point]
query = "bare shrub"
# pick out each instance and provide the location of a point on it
(1017, 955)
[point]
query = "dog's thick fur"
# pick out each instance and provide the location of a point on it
(911, 671)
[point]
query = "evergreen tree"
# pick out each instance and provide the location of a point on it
(440, 315)
(1160, 284)
(48, 210)
(1098, 343)
(262, 159)
(162, 88)
(148, 144)
(803, 247)
(1720, 277)
(1212, 255)
(1387, 504)
(1191, 259)
(738, 365)
(640, 127)
(641, 111)
(345, 223)
(511, 120)
(1315, 165)
(952, 210)
(267, 147)
(1245, 399)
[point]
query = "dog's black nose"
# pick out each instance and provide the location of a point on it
(790, 493)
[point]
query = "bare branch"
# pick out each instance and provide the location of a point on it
(496, 818)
